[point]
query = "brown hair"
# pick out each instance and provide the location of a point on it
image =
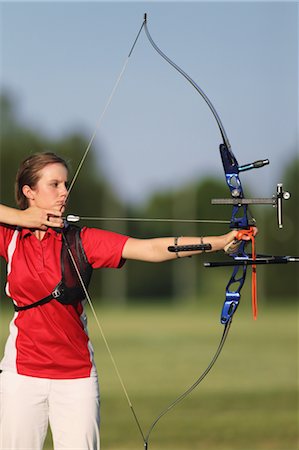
(29, 173)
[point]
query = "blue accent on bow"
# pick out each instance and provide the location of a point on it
(239, 217)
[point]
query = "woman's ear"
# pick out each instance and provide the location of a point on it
(28, 192)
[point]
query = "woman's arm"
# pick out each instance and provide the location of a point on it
(32, 217)
(156, 250)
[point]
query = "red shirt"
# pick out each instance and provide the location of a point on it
(50, 341)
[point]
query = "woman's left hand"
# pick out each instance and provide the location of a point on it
(235, 238)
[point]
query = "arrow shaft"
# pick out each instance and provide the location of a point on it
(73, 218)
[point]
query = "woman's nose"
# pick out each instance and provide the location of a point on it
(64, 191)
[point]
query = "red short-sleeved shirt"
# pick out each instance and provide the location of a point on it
(50, 341)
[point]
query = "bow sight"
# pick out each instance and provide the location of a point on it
(237, 200)
(275, 201)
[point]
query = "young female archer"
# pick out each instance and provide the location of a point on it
(48, 372)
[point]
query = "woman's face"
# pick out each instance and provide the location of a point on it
(51, 188)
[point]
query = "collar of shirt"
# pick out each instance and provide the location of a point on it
(25, 232)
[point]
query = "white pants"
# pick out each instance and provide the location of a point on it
(27, 404)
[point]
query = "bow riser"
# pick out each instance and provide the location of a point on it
(233, 288)
(239, 218)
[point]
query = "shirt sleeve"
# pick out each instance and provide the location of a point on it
(6, 232)
(103, 248)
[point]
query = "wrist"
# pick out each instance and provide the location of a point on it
(19, 217)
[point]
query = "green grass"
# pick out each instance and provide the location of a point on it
(249, 401)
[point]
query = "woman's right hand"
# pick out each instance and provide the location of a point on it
(34, 217)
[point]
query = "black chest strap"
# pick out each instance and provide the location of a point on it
(69, 290)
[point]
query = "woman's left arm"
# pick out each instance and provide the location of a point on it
(156, 249)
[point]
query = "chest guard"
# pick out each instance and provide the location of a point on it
(69, 290)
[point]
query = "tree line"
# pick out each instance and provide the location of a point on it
(93, 195)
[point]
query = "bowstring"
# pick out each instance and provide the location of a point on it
(88, 298)
(74, 179)
(100, 119)
(193, 386)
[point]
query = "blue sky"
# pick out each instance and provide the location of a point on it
(61, 60)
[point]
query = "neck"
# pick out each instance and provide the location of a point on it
(39, 234)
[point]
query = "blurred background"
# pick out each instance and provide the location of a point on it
(156, 155)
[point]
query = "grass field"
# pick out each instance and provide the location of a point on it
(249, 401)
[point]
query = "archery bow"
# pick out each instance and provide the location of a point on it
(231, 168)
(241, 218)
